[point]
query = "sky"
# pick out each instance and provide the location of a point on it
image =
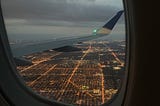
(52, 18)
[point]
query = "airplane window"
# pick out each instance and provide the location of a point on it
(69, 51)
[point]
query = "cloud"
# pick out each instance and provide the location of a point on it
(63, 10)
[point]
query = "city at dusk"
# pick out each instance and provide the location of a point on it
(90, 77)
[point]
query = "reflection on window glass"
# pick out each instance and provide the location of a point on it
(71, 51)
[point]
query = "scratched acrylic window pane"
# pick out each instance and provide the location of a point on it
(71, 51)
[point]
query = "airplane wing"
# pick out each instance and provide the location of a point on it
(103, 31)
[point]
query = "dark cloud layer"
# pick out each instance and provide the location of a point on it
(56, 10)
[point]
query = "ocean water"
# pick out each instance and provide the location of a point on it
(28, 40)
